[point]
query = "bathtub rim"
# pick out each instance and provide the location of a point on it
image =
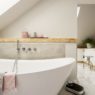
(33, 72)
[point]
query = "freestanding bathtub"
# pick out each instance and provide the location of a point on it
(39, 77)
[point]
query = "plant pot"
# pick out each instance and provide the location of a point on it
(89, 45)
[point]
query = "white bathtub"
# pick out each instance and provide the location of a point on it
(39, 77)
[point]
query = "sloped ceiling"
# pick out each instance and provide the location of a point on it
(15, 12)
(21, 8)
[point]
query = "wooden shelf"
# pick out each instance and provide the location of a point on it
(40, 40)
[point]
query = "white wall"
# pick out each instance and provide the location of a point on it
(53, 18)
(86, 22)
(43, 50)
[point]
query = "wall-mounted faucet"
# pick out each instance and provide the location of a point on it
(29, 49)
(35, 49)
(18, 48)
(25, 49)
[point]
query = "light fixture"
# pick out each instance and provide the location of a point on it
(5, 5)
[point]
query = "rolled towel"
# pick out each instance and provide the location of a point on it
(9, 82)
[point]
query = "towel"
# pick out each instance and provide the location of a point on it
(9, 82)
(1, 82)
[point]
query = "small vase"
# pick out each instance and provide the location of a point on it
(25, 35)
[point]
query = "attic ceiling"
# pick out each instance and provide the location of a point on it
(16, 11)
(21, 8)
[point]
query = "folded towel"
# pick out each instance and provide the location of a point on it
(9, 82)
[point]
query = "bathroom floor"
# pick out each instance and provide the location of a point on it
(86, 78)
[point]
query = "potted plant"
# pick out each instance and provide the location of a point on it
(89, 42)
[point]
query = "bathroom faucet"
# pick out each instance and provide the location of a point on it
(24, 49)
(18, 49)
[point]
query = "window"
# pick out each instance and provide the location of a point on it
(5, 5)
(78, 10)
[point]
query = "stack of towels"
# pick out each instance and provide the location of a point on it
(7, 82)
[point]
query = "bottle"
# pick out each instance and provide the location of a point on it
(35, 34)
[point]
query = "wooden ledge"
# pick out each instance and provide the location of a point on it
(40, 40)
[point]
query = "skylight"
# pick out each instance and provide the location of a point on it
(5, 5)
(78, 10)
